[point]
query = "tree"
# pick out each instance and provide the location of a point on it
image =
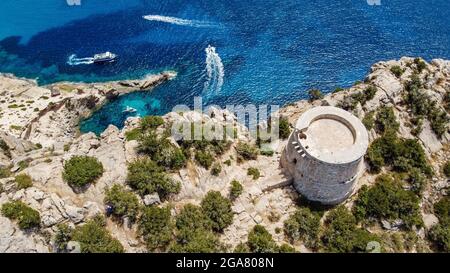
(442, 210)
(80, 171)
(440, 236)
(261, 241)
(124, 203)
(397, 71)
(388, 200)
(151, 123)
(26, 216)
(284, 128)
(218, 209)
(386, 120)
(315, 94)
(146, 177)
(342, 235)
(23, 181)
(246, 151)
(156, 226)
(236, 189)
(303, 225)
(200, 242)
(254, 172)
(94, 238)
(190, 220)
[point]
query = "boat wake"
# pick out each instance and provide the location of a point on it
(73, 60)
(215, 71)
(178, 21)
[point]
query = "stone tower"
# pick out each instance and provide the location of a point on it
(324, 154)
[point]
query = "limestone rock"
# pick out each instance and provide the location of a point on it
(151, 199)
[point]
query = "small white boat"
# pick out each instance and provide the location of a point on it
(130, 110)
(106, 57)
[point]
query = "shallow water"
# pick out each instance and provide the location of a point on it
(268, 51)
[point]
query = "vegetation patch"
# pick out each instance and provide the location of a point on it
(156, 225)
(25, 216)
(80, 171)
(218, 209)
(246, 151)
(23, 181)
(146, 177)
(236, 189)
(254, 173)
(387, 200)
(123, 202)
(304, 225)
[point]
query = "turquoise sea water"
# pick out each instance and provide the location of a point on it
(266, 51)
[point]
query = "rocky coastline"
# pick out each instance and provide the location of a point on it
(38, 124)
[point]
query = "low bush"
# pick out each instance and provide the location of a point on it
(397, 71)
(80, 171)
(236, 189)
(146, 177)
(387, 200)
(218, 209)
(446, 169)
(369, 120)
(254, 172)
(342, 235)
(303, 225)
(261, 241)
(23, 181)
(315, 94)
(25, 216)
(124, 203)
(156, 227)
(442, 210)
(95, 238)
(386, 120)
(246, 151)
(216, 169)
(284, 128)
(205, 159)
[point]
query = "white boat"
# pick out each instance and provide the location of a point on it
(106, 57)
(130, 110)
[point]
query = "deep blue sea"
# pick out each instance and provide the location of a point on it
(266, 51)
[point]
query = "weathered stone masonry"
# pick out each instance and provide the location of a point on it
(324, 154)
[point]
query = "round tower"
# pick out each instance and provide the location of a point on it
(324, 154)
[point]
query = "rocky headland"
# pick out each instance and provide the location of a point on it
(38, 129)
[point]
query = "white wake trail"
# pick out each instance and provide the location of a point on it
(178, 21)
(215, 71)
(73, 60)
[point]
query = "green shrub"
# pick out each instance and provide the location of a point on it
(420, 64)
(218, 209)
(5, 148)
(124, 203)
(315, 94)
(440, 236)
(446, 169)
(190, 220)
(227, 162)
(417, 180)
(63, 235)
(216, 169)
(93, 237)
(156, 226)
(397, 71)
(134, 134)
(4, 172)
(26, 217)
(442, 210)
(285, 248)
(388, 200)
(146, 177)
(1, 188)
(246, 151)
(151, 122)
(205, 159)
(350, 102)
(341, 234)
(401, 154)
(261, 241)
(23, 181)
(303, 225)
(284, 128)
(242, 248)
(200, 242)
(23, 165)
(254, 172)
(267, 153)
(369, 120)
(162, 151)
(66, 147)
(80, 171)
(439, 121)
(386, 120)
(236, 189)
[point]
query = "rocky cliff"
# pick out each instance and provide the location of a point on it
(38, 126)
